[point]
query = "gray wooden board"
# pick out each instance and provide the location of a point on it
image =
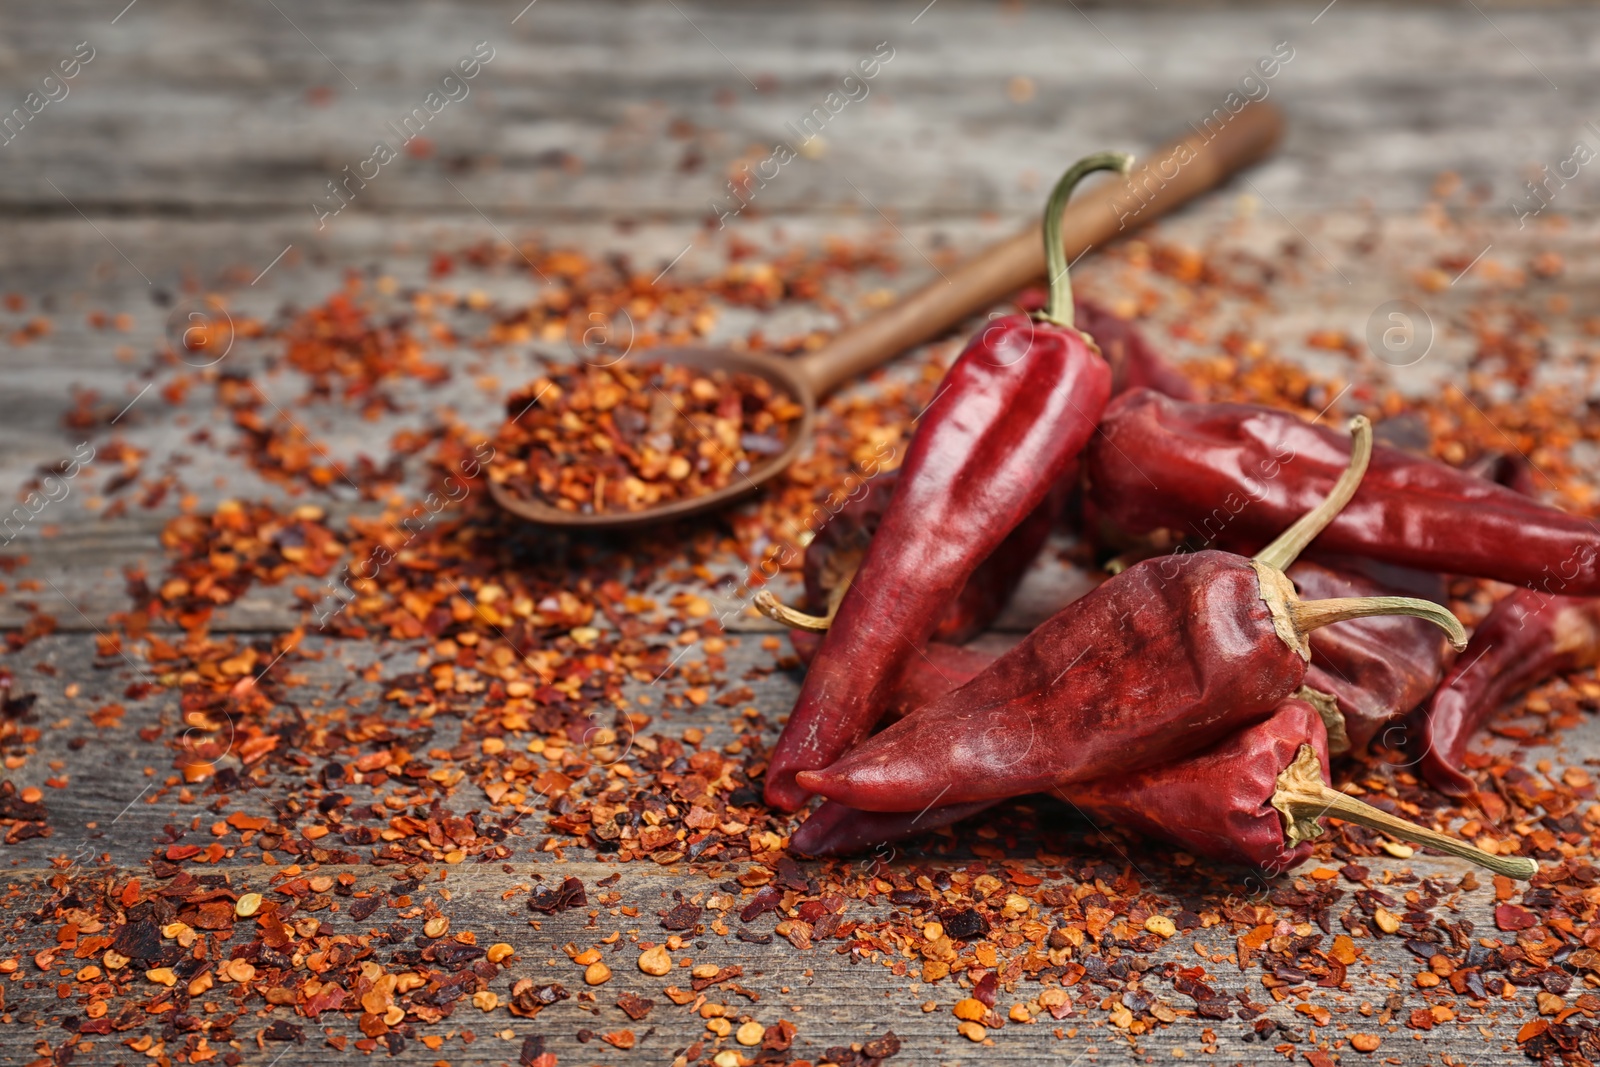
(199, 133)
(831, 1000)
(190, 109)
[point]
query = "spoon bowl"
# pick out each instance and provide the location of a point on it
(786, 376)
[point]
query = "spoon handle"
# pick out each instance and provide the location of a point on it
(1168, 178)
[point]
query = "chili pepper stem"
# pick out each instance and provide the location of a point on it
(1294, 618)
(778, 611)
(795, 619)
(1302, 797)
(1327, 707)
(1293, 541)
(1311, 615)
(1055, 254)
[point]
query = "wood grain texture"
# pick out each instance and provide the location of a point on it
(198, 136)
(111, 810)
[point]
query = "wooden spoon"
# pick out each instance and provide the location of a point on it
(1171, 176)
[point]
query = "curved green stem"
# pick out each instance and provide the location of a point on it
(1059, 310)
(1287, 548)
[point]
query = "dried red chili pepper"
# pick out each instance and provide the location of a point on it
(1012, 414)
(1364, 673)
(835, 829)
(834, 555)
(1527, 637)
(941, 668)
(1376, 669)
(1255, 799)
(1172, 654)
(1235, 473)
(1135, 364)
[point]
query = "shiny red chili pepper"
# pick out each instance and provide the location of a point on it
(1217, 805)
(1170, 655)
(1526, 638)
(1011, 415)
(1134, 362)
(1378, 669)
(834, 555)
(1235, 473)
(1255, 799)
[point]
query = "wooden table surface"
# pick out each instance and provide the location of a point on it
(191, 146)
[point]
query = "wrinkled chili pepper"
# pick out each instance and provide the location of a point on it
(1170, 655)
(834, 555)
(941, 668)
(835, 829)
(1011, 415)
(1526, 638)
(1377, 669)
(1235, 473)
(1255, 799)
(1220, 804)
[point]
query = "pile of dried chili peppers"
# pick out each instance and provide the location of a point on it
(1199, 692)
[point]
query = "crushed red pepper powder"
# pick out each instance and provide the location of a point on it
(632, 436)
(550, 671)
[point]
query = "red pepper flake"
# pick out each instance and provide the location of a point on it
(778, 1038)
(1512, 917)
(1532, 1029)
(533, 1053)
(570, 894)
(623, 1039)
(634, 1006)
(632, 436)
